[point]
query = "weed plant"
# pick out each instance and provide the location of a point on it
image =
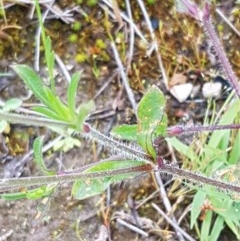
(214, 167)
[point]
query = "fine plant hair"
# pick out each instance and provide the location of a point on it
(130, 161)
(116, 146)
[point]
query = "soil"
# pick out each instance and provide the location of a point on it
(87, 48)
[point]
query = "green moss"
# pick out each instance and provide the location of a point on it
(73, 38)
(76, 26)
(101, 44)
(151, 1)
(81, 57)
(220, 28)
(92, 3)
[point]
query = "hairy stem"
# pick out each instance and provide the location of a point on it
(178, 130)
(220, 54)
(197, 178)
(32, 120)
(44, 180)
(115, 145)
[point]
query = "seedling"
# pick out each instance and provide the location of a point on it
(134, 158)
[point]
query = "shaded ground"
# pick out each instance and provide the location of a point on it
(82, 42)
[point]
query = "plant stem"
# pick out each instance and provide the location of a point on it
(197, 178)
(32, 120)
(178, 130)
(10, 183)
(220, 53)
(116, 145)
(44, 180)
(120, 148)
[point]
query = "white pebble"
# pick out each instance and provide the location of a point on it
(181, 92)
(212, 90)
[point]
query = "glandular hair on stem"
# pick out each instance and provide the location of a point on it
(200, 178)
(116, 146)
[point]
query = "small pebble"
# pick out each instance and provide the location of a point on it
(181, 92)
(212, 90)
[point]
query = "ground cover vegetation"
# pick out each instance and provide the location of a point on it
(192, 167)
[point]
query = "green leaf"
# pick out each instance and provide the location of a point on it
(43, 93)
(12, 104)
(151, 108)
(49, 56)
(72, 91)
(226, 208)
(37, 149)
(114, 165)
(46, 112)
(34, 194)
(234, 156)
(13, 196)
(125, 132)
(90, 187)
(206, 225)
(182, 148)
(197, 203)
(83, 111)
(217, 228)
(31, 80)
(233, 226)
(40, 192)
(57, 106)
(222, 137)
(150, 115)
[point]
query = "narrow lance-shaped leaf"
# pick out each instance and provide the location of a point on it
(217, 228)
(33, 194)
(234, 155)
(43, 93)
(49, 55)
(40, 192)
(227, 118)
(57, 106)
(206, 225)
(197, 203)
(50, 61)
(46, 112)
(83, 111)
(32, 81)
(37, 149)
(72, 91)
(13, 196)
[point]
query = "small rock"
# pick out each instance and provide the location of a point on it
(212, 90)
(181, 92)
